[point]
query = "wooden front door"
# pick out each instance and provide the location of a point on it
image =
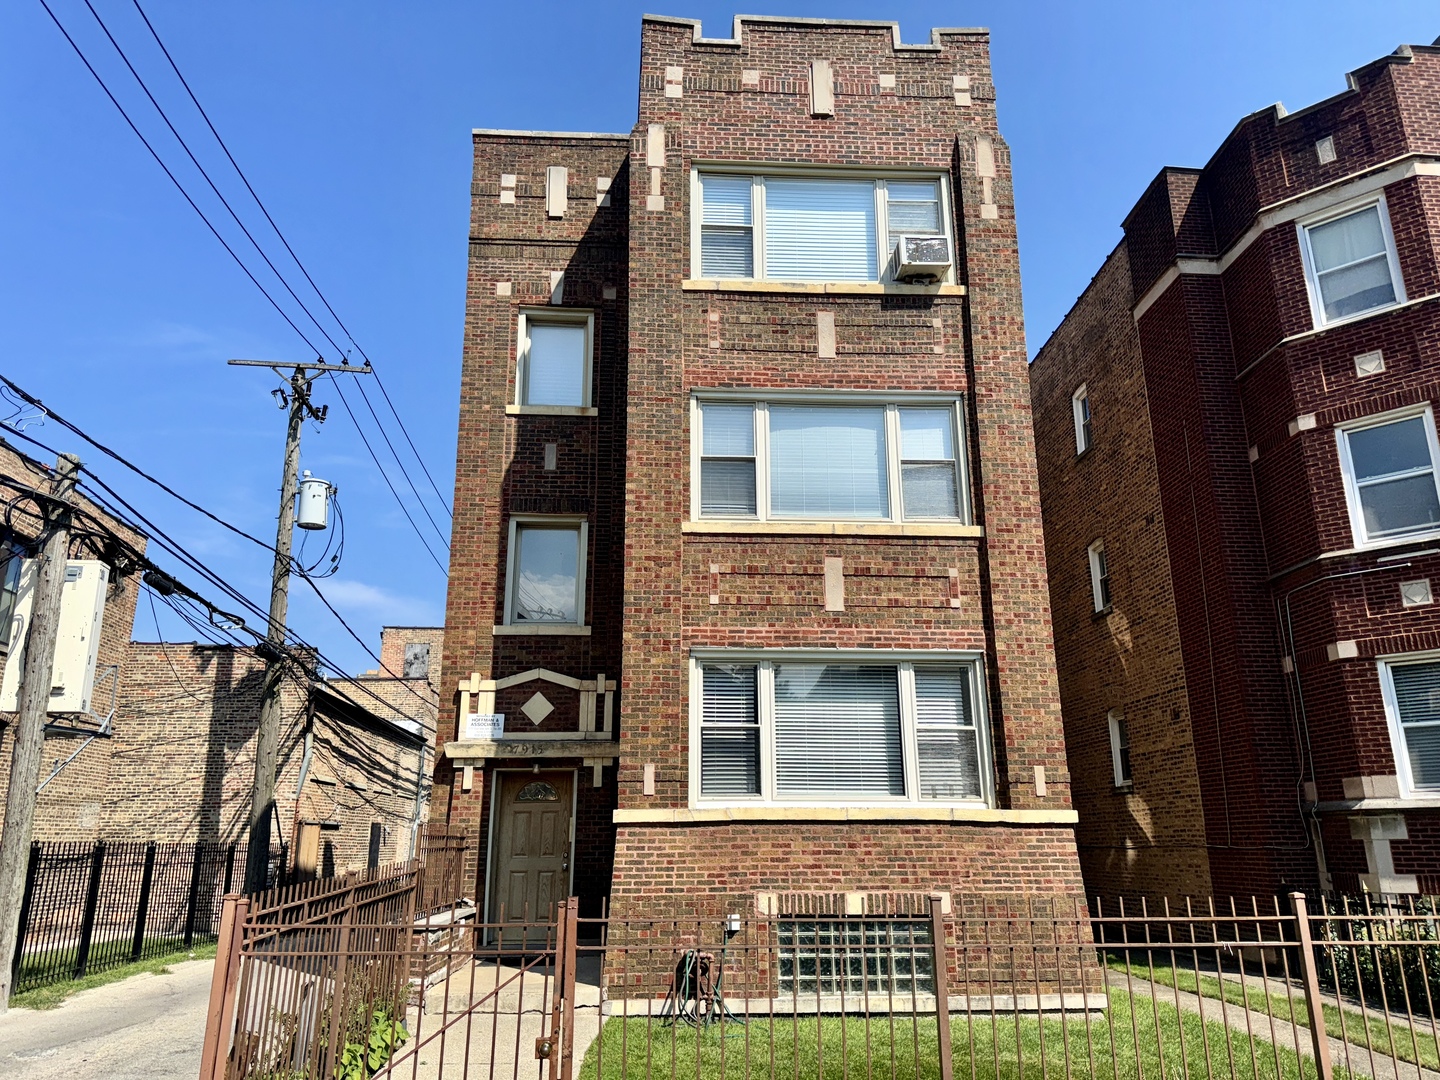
(531, 871)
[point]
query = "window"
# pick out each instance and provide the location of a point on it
(854, 957)
(1099, 576)
(1080, 405)
(1390, 476)
(554, 354)
(1411, 689)
(11, 560)
(838, 731)
(1350, 264)
(810, 228)
(546, 572)
(828, 462)
(1119, 749)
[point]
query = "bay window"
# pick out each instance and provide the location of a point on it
(835, 227)
(1350, 263)
(1411, 689)
(791, 729)
(1389, 467)
(859, 459)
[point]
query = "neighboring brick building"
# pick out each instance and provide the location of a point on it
(74, 763)
(1238, 466)
(352, 755)
(747, 546)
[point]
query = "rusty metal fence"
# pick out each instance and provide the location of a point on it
(997, 988)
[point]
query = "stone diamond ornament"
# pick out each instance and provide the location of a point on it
(537, 708)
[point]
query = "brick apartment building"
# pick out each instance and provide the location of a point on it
(747, 549)
(68, 807)
(1238, 461)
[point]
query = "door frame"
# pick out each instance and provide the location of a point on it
(494, 823)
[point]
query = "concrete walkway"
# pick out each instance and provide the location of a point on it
(150, 1026)
(498, 1038)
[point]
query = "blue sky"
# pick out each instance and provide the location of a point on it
(352, 120)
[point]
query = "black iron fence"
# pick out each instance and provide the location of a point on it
(89, 907)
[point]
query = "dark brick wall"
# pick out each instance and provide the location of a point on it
(1148, 839)
(1260, 549)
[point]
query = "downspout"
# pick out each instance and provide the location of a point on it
(419, 802)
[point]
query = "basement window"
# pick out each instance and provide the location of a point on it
(1389, 468)
(854, 957)
(839, 732)
(1350, 263)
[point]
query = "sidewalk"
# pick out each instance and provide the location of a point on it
(149, 1025)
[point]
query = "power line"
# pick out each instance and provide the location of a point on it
(299, 570)
(230, 250)
(291, 251)
(180, 187)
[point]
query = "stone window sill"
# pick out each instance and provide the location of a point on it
(978, 815)
(822, 288)
(835, 528)
(541, 630)
(550, 410)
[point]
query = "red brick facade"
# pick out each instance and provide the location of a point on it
(1275, 607)
(661, 583)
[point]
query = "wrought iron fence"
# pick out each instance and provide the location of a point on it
(90, 907)
(999, 988)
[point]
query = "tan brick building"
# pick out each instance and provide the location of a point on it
(747, 548)
(353, 760)
(1238, 463)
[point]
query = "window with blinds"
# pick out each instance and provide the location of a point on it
(1416, 689)
(839, 732)
(554, 355)
(1350, 264)
(1391, 477)
(809, 228)
(828, 462)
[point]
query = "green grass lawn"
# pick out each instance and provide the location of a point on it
(1372, 1031)
(52, 994)
(1134, 1039)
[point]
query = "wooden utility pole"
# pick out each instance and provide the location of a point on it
(35, 682)
(267, 735)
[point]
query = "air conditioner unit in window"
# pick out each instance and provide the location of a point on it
(921, 258)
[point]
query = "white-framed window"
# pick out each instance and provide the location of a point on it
(1080, 408)
(554, 355)
(1350, 263)
(1392, 484)
(1119, 748)
(846, 458)
(837, 729)
(545, 571)
(1410, 686)
(792, 226)
(1099, 575)
(12, 558)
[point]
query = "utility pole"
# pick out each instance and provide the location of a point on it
(267, 735)
(35, 682)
